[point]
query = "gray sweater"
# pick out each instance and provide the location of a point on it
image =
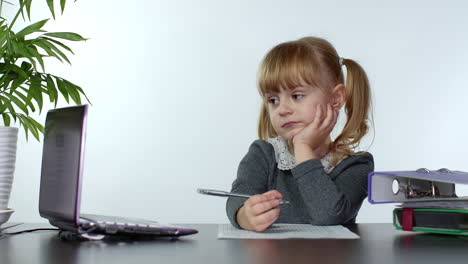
(315, 197)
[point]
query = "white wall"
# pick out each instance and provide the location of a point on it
(174, 97)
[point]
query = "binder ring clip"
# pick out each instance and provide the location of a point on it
(444, 170)
(415, 191)
(414, 188)
(423, 170)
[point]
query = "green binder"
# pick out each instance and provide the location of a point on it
(433, 220)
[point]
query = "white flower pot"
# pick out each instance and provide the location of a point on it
(8, 142)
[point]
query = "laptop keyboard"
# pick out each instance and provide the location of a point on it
(115, 224)
(119, 220)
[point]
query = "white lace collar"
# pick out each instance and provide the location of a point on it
(286, 160)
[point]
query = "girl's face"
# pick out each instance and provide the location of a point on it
(291, 110)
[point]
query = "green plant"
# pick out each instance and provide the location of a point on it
(23, 84)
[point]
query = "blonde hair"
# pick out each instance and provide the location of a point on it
(315, 61)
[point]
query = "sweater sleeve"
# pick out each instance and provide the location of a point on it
(335, 198)
(252, 178)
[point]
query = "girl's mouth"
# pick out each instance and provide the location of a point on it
(289, 124)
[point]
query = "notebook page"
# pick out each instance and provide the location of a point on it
(285, 231)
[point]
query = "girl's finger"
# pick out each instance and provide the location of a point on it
(267, 218)
(255, 200)
(273, 194)
(335, 118)
(323, 112)
(328, 118)
(264, 207)
(261, 198)
(318, 114)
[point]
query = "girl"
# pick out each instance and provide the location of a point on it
(302, 86)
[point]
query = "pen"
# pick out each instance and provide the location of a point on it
(229, 194)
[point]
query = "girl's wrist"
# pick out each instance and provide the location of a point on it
(304, 152)
(241, 219)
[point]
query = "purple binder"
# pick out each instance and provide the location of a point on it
(413, 186)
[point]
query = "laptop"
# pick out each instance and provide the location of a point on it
(61, 183)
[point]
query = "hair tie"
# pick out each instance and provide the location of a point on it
(341, 61)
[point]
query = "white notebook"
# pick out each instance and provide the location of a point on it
(285, 231)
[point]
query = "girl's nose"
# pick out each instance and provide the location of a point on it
(285, 108)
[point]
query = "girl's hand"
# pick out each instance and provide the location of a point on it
(260, 211)
(309, 142)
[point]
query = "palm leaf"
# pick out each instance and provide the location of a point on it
(50, 3)
(62, 5)
(55, 50)
(2, 107)
(19, 70)
(27, 4)
(53, 94)
(35, 89)
(3, 34)
(36, 27)
(47, 49)
(36, 124)
(17, 82)
(33, 51)
(6, 103)
(18, 103)
(58, 43)
(66, 35)
(6, 119)
(31, 126)
(62, 88)
(78, 89)
(74, 95)
(26, 67)
(25, 100)
(25, 126)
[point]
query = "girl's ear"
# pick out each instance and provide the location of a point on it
(338, 96)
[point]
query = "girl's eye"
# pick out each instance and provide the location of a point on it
(298, 96)
(273, 100)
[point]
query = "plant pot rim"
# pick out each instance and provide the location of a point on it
(8, 128)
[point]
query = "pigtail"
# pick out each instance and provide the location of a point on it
(356, 108)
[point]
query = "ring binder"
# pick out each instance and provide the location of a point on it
(420, 185)
(429, 201)
(411, 191)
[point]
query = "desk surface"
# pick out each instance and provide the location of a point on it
(379, 243)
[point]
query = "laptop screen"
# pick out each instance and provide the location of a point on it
(62, 159)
